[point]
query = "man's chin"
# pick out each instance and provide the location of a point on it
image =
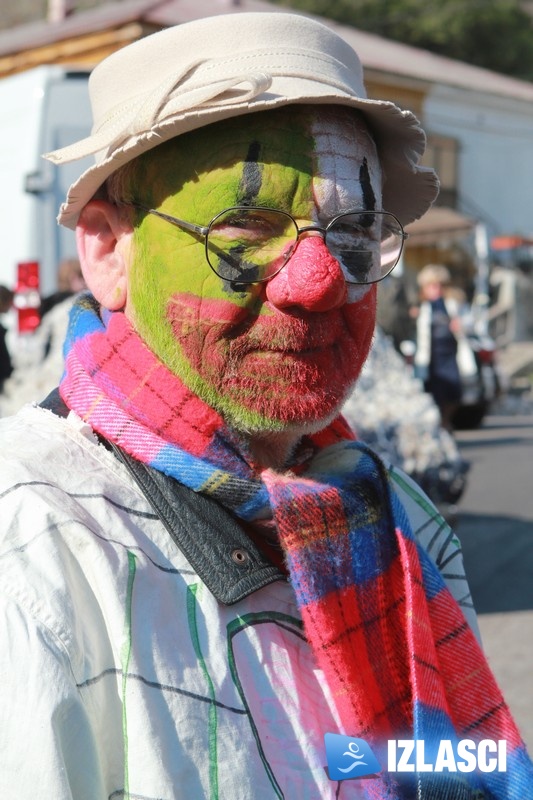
(295, 416)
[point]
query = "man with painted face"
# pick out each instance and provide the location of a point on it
(203, 572)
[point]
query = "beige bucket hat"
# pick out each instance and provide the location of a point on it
(191, 75)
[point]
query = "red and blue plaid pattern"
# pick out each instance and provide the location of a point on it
(393, 645)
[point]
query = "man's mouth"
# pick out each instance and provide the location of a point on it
(293, 351)
(291, 334)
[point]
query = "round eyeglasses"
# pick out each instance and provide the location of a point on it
(250, 244)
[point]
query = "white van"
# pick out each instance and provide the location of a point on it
(40, 110)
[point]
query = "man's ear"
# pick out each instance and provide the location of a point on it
(104, 237)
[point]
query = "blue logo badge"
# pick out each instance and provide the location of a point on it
(349, 757)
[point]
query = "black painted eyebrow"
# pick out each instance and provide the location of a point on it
(369, 198)
(252, 176)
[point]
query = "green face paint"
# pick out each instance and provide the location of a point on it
(231, 346)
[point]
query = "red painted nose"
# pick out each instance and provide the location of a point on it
(311, 279)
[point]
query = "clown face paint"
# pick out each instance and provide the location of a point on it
(275, 356)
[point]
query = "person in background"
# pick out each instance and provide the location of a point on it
(440, 330)
(6, 365)
(70, 281)
(202, 572)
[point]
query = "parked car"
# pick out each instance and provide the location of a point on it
(481, 388)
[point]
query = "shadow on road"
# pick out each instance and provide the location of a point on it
(508, 441)
(496, 423)
(498, 558)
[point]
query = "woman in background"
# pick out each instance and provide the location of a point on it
(439, 329)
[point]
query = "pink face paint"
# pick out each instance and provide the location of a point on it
(290, 367)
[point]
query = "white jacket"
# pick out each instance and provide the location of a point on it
(465, 356)
(121, 675)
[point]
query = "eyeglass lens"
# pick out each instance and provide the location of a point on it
(252, 244)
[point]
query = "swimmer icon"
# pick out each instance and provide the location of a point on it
(354, 751)
(349, 757)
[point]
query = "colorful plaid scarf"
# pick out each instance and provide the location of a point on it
(393, 645)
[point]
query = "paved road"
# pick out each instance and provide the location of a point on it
(495, 525)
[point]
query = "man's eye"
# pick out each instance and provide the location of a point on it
(252, 226)
(236, 221)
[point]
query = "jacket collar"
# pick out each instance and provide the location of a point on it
(216, 547)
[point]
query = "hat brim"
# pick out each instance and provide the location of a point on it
(408, 191)
(184, 78)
